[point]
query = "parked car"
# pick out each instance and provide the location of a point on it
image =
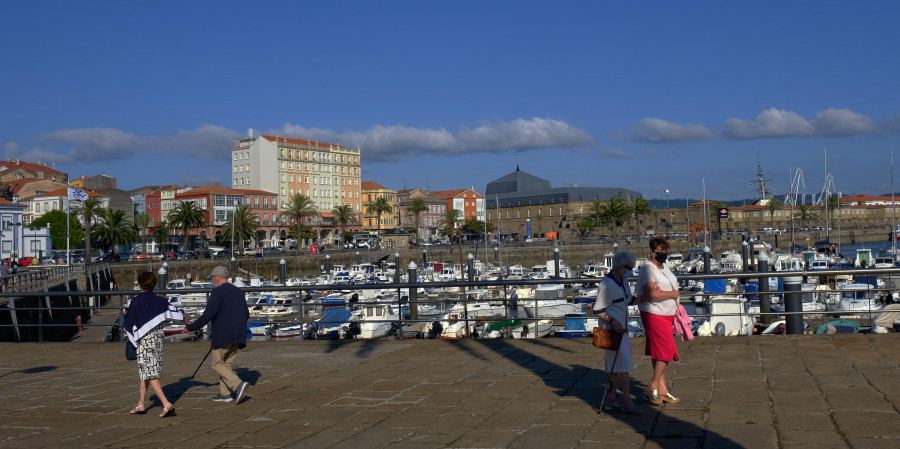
(110, 257)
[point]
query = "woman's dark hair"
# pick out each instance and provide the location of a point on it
(659, 242)
(147, 280)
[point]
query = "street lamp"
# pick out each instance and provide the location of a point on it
(667, 198)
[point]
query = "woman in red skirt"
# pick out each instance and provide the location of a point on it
(658, 302)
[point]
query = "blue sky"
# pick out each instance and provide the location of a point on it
(643, 95)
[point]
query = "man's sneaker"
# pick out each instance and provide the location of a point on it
(239, 393)
(222, 398)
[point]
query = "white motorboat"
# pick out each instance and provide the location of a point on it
(374, 321)
(728, 315)
(857, 299)
(539, 272)
(549, 301)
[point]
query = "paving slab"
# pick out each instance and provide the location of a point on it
(761, 391)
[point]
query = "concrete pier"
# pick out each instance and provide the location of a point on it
(832, 391)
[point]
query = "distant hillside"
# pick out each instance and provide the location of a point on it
(680, 202)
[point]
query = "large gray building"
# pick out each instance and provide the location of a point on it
(518, 198)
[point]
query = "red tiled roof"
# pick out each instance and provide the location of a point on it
(65, 193)
(372, 185)
(300, 141)
(28, 166)
(446, 194)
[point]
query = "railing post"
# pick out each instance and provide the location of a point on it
(470, 266)
(283, 265)
(745, 262)
(556, 272)
(328, 264)
(413, 291)
(706, 251)
(764, 297)
(425, 257)
(233, 263)
(397, 270)
(793, 302)
(162, 274)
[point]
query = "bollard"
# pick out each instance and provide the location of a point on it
(496, 254)
(397, 270)
(162, 277)
(233, 267)
(706, 252)
(283, 265)
(744, 258)
(556, 263)
(412, 301)
(357, 257)
(751, 260)
(424, 257)
(793, 303)
(470, 266)
(328, 264)
(764, 297)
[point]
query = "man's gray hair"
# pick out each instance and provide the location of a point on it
(623, 258)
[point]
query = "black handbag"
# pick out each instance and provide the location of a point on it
(130, 351)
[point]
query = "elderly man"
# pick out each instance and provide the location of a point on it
(227, 311)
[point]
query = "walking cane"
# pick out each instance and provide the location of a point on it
(609, 384)
(210, 350)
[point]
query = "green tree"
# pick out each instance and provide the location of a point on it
(415, 209)
(243, 226)
(772, 206)
(142, 221)
(595, 211)
(614, 212)
(450, 220)
(298, 210)
(343, 215)
(473, 225)
(57, 220)
(161, 234)
(186, 216)
(804, 212)
(639, 207)
(379, 207)
(87, 210)
(834, 205)
(114, 228)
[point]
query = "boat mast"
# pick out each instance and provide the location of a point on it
(893, 208)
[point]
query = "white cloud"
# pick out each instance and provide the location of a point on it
(651, 152)
(657, 130)
(613, 154)
(774, 122)
(391, 143)
(105, 144)
(893, 123)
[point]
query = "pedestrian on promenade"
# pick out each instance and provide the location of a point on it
(227, 310)
(143, 324)
(613, 298)
(658, 303)
(4, 274)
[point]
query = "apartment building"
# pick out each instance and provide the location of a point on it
(329, 174)
(371, 191)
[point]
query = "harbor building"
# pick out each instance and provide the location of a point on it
(468, 202)
(373, 223)
(520, 202)
(328, 174)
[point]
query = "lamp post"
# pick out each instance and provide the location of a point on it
(667, 198)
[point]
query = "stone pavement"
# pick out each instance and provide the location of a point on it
(823, 391)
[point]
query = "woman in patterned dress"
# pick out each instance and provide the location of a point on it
(144, 328)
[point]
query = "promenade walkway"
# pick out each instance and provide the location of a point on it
(805, 391)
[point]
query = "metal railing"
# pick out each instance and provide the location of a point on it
(115, 299)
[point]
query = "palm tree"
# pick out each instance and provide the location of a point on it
(87, 210)
(243, 224)
(595, 209)
(415, 208)
(379, 207)
(613, 212)
(450, 220)
(299, 209)
(715, 213)
(773, 205)
(114, 228)
(639, 207)
(540, 222)
(804, 213)
(186, 216)
(161, 234)
(343, 215)
(142, 221)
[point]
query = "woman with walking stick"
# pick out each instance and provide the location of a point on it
(613, 298)
(144, 321)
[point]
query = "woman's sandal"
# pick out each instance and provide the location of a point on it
(138, 410)
(168, 409)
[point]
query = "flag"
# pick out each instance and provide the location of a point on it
(77, 194)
